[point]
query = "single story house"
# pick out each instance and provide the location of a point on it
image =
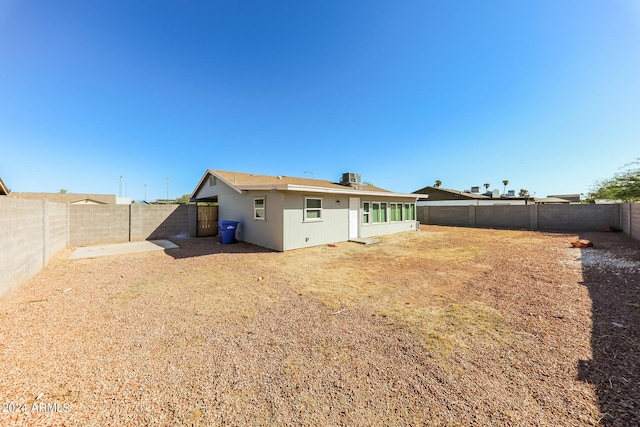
(285, 213)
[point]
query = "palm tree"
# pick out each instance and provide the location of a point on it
(486, 186)
(438, 183)
(505, 182)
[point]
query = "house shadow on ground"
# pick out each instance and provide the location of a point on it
(611, 272)
(203, 246)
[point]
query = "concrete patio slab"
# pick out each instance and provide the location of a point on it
(122, 248)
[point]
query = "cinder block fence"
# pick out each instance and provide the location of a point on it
(97, 224)
(32, 231)
(566, 218)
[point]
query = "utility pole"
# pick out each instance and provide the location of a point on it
(311, 172)
(167, 187)
(120, 190)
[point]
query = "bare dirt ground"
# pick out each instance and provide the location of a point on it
(447, 326)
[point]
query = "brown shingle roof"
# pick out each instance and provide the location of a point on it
(246, 181)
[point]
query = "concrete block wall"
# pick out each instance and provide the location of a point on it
(444, 215)
(503, 216)
(31, 231)
(162, 221)
(630, 219)
(578, 217)
(56, 228)
(531, 217)
(98, 224)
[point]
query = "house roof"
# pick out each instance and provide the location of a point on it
(568, 197)
(3, 188)
(551, 199)
(438, 193)
(109, 199)
(245, 182)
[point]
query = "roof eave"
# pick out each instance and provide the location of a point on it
(204, 179)
(346, 191)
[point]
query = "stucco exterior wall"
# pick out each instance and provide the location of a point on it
(334, 226)
(239, 207)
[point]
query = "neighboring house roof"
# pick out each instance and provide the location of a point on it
(3, 188)
(437, 193)
(245, 182)
(552, 199)
(102, 199)
(574, 198)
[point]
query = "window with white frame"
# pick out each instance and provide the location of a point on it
(396, 212)
(374, 212)
(409, 211)
(312, 209)
(378, 212)
(366, 212)
(259, 208)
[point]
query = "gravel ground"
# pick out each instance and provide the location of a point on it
(448, 326)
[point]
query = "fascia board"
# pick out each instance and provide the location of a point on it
(350, 191)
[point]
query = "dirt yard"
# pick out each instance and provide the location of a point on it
(446, 326)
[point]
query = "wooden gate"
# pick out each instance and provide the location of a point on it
(207, 221)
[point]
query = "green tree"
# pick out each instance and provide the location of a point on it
(63, 191)
(523, 193)
(486, 186)
(505, 183)
(438, 183)
(623, 186)
(184, 199)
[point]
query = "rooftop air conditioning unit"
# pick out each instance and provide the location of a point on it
(475, 189)
(511, 193)
(350, 178)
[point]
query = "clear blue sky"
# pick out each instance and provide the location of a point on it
(544, 93)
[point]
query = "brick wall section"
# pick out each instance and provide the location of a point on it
(31, 232)
(531, 217)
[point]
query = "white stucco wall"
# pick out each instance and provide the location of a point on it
(334, 226)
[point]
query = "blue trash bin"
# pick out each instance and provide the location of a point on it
(227, 231)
